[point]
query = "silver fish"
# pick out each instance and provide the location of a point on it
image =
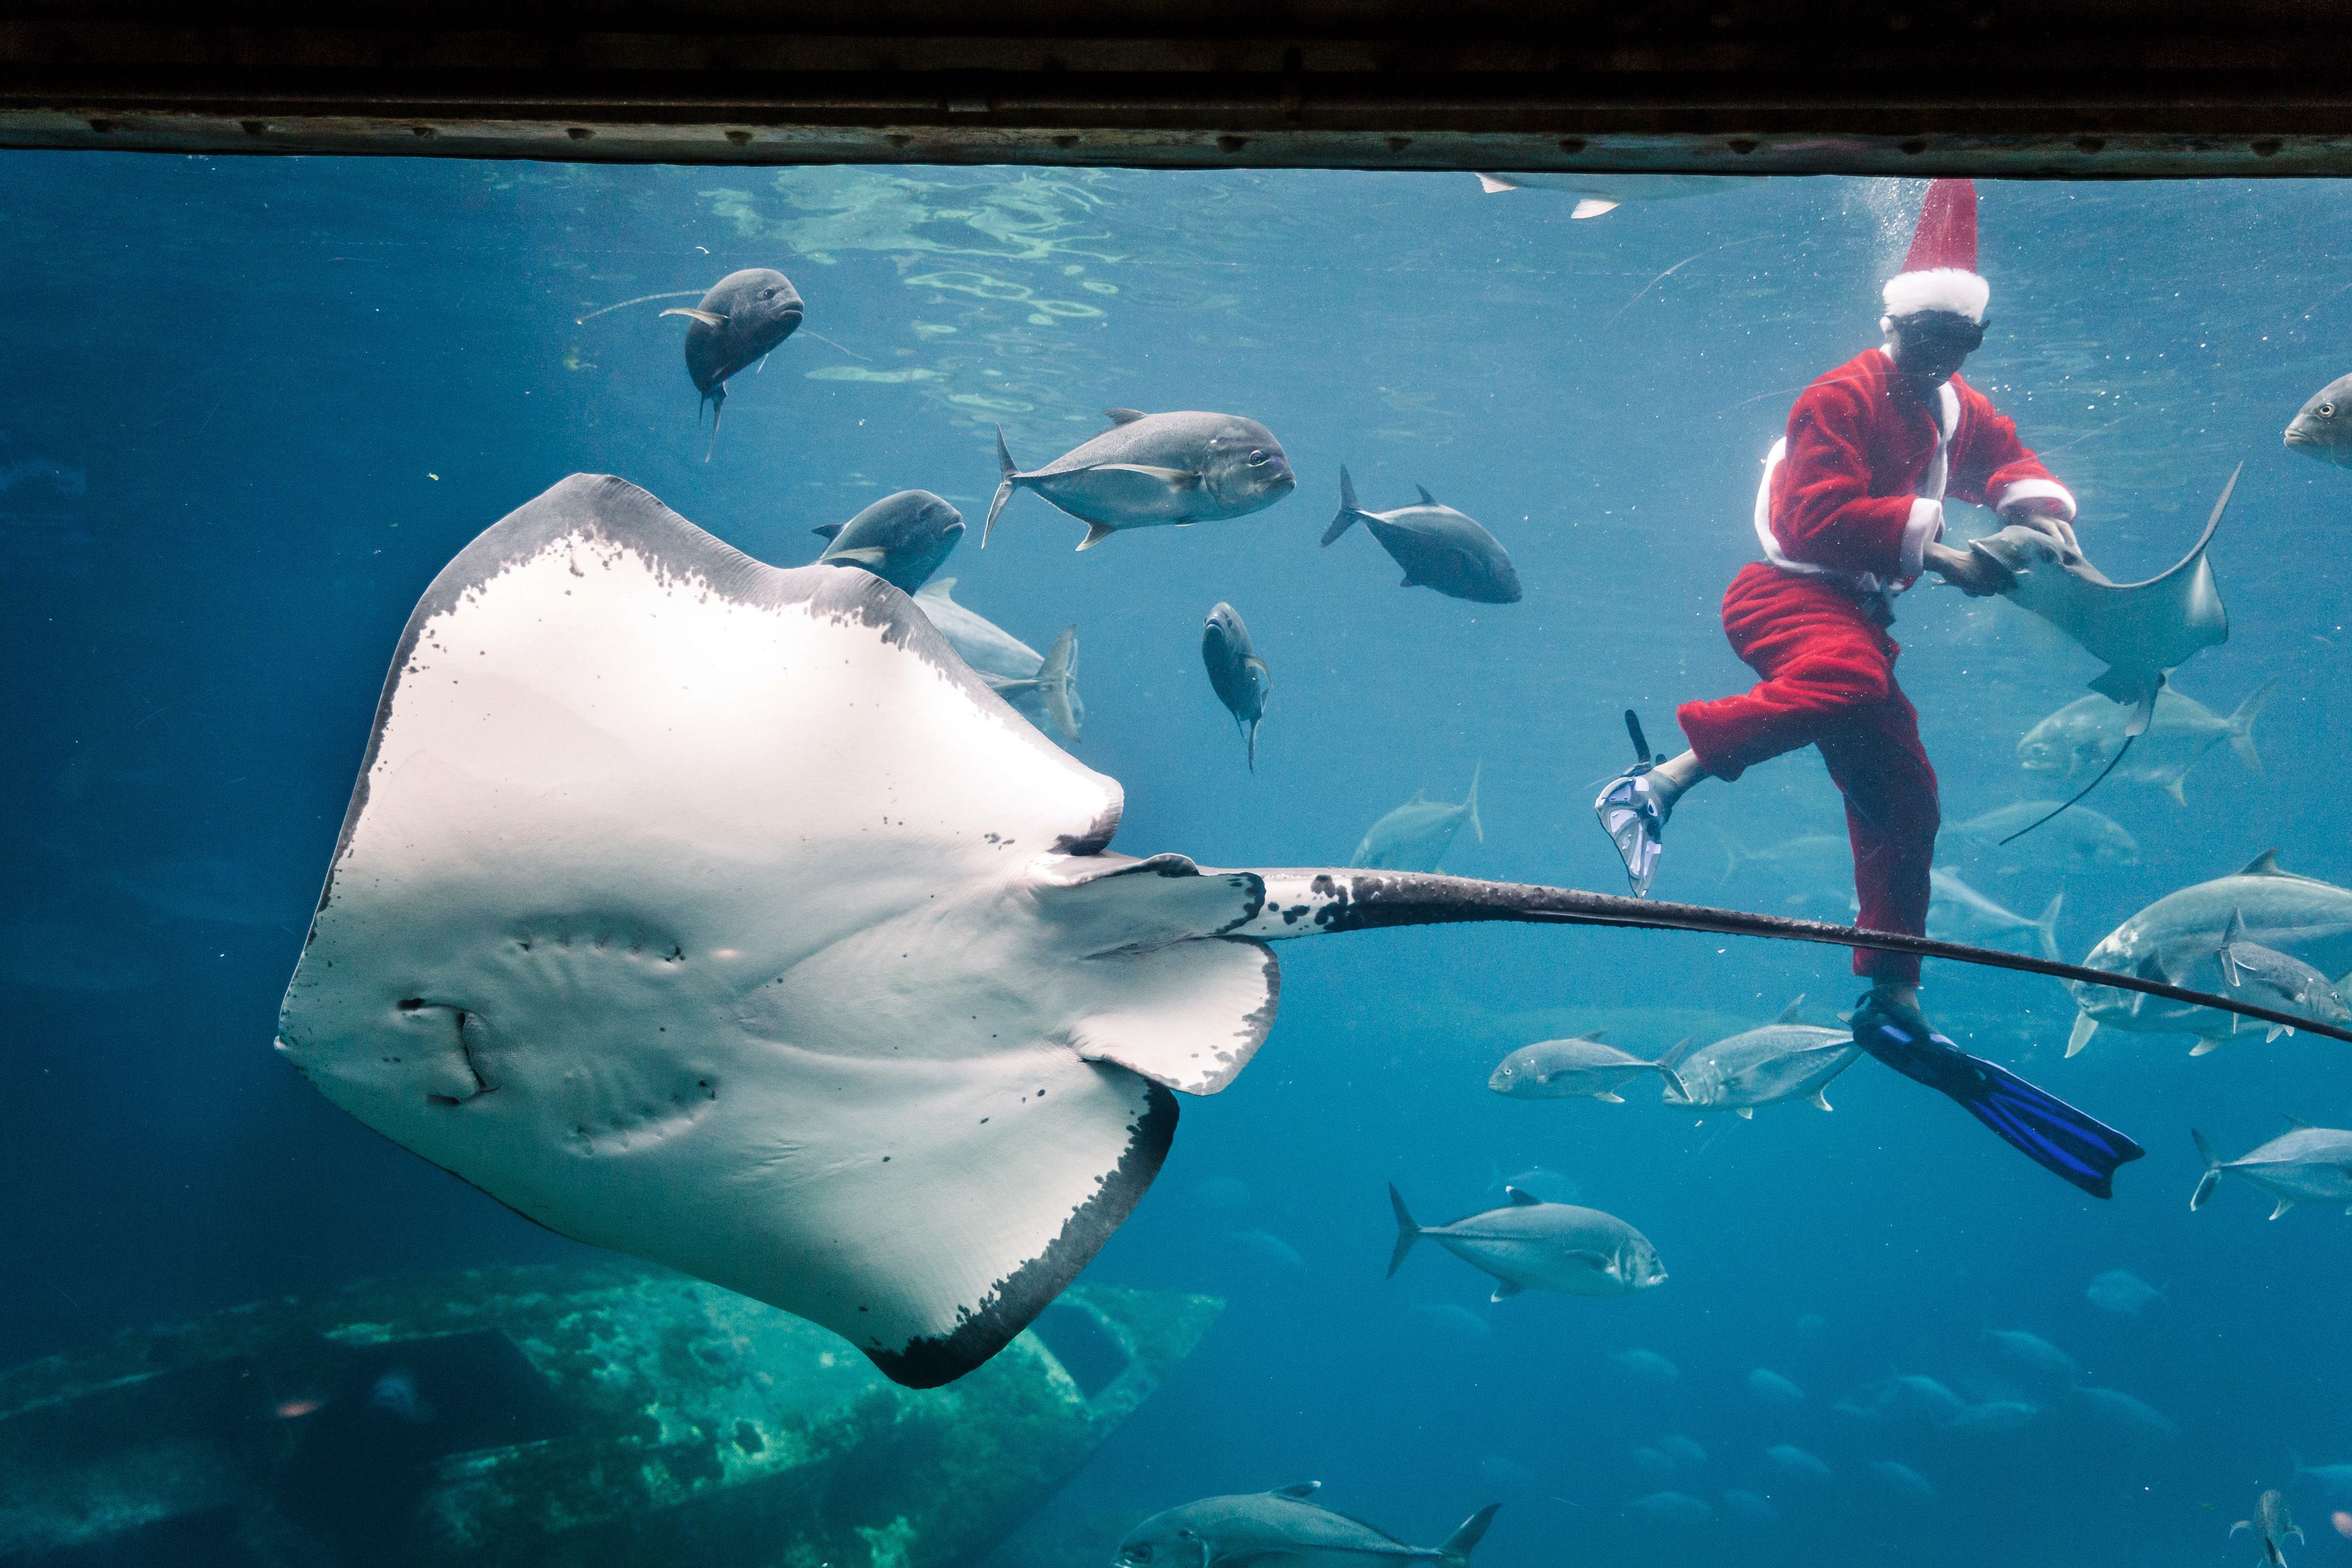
(1648, 1365)
(2273, 1526)
(1530, 1245)
(1416, 834)
(733, 327)
(1958, 912)
(2125, 1411)
(1281, 1526)
(1994, 1415)
(2180, 938)
(2322, 427)
(1042, 687)
(1675, 1507)
(2122, 1291)
(2335, 1478)
(1904, 1480)
(1155, 471)
(2035, 1351)
(2080, 738)
(1597, 193)
(1236, 674)
(2265, 975)
(2302, 1165)
(1773, 1388)
(1811, 861)
(1783, 1060)
(2081, 838)
(1789, 1456)
(1437, 546)
(1583, 1067)
(901, 539)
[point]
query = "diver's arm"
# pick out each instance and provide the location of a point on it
(1822, 511)
(1993, 468)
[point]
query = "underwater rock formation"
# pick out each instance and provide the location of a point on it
(563, 1417)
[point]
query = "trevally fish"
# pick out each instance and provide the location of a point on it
(736, 325)
(2035, 1351)
(1597, 193)
(1913, 1395)
(1583, 1067)
(2328, 1478)
(1042, 687)
(1236, 674)
(1994, 1415)
(1783, 1060)
(1437, 546)
(2076, 839)
(1773, 1388)
(1268, 1247)
(2080, 738)
(2265, 975)
(1672, 1508)
(1904, 1480)
(2273, 1526)
(1155, 471)
(2180, 938)
(1790, 1457)
(1530, 1245)
(1811, 861)
(1416, 834)
(1958, 912)
(2125, 1411)
(2122, 1291)
(1283, 1527)
(2302, 1165)
(2322, 427)
(1648, 1365)
(901, 539)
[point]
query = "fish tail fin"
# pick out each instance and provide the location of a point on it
(1408, 1231)
(2241, 726)
(1475, 825)
(2046, 928)
(2206, 1182)
(1056, 679)
(717, 401)
(1011, 473)
(2071, 1144)
(1455, 1548)
(1348, 510)
(1733, 855)
(1253, 745)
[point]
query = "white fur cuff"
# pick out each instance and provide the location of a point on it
(1951, 288)
(1926, 523)
(2044, 495)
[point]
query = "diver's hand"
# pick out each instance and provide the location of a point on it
(2055, 527)
(1972, 572)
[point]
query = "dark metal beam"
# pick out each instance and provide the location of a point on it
(2082, 87)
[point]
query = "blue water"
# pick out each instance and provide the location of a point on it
(254, 406)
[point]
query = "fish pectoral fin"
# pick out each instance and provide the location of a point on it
(2276, 1030)
(1122, 416)
(1746, 1113)
(1505, 1290)
(1296, 1488)
(866, 555)
(1820, 1098)
(1592, 207)
(1173, 479)
(2084, 1027)
(2283, 1205)
(1612, 1097)
(1096, 533)
(2179, 796)
(2207, 1044)
(708, 318)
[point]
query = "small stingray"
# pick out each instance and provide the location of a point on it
(722, 915)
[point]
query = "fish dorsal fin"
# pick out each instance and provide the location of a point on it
(1793, 1013)
(1505, 1290)
(1420, 797)
(1426, 498)
(1598, 1037)
(828, 530)
(1674, 1055)
(2297, 1122)
(1298, 1490)
(1521, 1198)
(2264, 865)
(2237, 931)
(1129, 416)
(938, 588)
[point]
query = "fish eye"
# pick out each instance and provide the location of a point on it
(1256, 458)
(1138, 1554)
(768, 293)
(2325, 411)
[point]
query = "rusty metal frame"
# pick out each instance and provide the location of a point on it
(2052, 88)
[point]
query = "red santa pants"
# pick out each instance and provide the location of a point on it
(1829, 681)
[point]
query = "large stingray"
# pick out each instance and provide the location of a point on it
(719, 914)
(2144, 630)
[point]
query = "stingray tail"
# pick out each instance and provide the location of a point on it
(2208, 1182)
(1408, 1231)
(1348, 510)
(2241, 726)
(1057, 681)
(2046, 928)
(1455, 1548)
(1004, 486)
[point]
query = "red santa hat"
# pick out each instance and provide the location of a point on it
(1940, 273)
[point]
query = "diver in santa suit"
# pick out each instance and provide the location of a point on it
(1849, 514)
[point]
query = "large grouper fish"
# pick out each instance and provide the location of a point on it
(722, 915)
(1154, 470)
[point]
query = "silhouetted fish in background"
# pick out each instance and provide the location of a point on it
(745, 315)
(1236, 674)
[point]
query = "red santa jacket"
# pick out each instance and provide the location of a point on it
(1856, 490)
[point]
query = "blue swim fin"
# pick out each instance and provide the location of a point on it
(2078, 1147)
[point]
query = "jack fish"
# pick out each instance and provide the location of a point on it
(901, 539)
(1155, 471)
(2180, 938)
(1236, 674)
(1572, 1068)
(2269, 977)
(1530, 1245)
(2302, 1165)
(2083, 840)
(2080, 738)
(2322, 427)
(1437, 546)
(1282, 1527)
(2272, 1525)
(1783, 1060)
(1958, 912)
(1416, 834)
(745, 315)
(1043, 688)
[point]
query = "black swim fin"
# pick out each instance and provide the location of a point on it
(2076, 1147)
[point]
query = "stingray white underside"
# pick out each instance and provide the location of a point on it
(720, 915)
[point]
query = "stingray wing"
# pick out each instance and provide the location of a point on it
(720, 915)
